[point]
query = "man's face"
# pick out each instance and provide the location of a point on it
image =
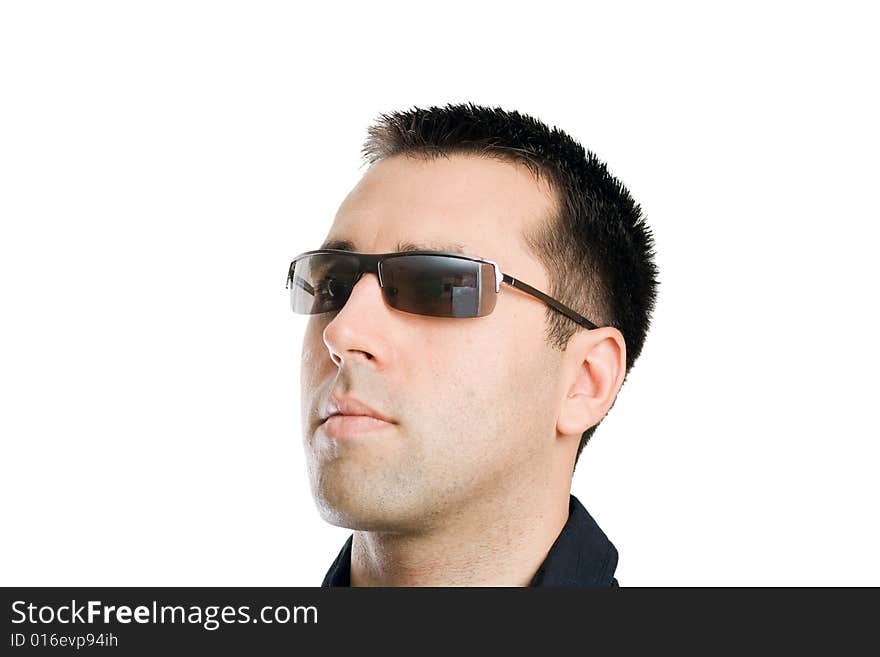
(474, 400)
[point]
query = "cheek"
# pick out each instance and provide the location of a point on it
(316, 367)
(315, 357)
(478, 397)
(465, 366)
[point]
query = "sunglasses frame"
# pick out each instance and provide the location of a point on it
(369, 264)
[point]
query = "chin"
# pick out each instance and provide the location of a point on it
(355, 508)
(356, 517)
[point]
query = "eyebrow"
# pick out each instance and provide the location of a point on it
(452, 247)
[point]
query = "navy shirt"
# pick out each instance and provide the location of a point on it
(581, 556)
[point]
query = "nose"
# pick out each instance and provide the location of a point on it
(358, 331)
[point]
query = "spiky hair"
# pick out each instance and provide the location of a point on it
(595, 245)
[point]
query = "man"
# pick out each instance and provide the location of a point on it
(445, 409)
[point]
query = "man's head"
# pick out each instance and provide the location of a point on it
(484, 408)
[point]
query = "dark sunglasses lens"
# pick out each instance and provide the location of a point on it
(439, 286)
(321, 283)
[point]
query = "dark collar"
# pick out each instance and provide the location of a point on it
(581, 556)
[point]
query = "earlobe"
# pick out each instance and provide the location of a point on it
(594, 378)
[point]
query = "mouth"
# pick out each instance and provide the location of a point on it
(348, 416)
(349, 426)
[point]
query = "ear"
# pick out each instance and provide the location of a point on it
(595, 365)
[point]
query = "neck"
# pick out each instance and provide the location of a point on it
(498, 542)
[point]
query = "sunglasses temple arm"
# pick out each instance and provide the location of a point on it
(553, 303)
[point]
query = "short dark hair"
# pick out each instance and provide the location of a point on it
(595, 246)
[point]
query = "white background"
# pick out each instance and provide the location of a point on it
(162, 162)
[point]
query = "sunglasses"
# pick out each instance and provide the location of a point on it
(432, 283)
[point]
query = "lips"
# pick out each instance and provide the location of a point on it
(350, 406)
(353, 426)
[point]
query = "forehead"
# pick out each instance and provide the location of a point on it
(464, 203)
